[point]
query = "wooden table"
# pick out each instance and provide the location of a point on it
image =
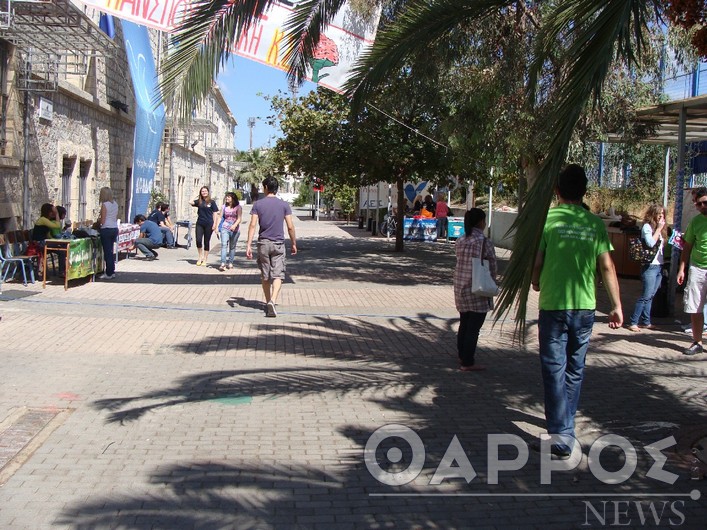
(82, 257)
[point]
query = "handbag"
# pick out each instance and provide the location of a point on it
(639, 251)
(482, 283)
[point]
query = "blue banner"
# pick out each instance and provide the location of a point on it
(149, 121)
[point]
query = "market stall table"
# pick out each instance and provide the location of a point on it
(128, 233)
(455, 227)
(82, 257)
(419, 229)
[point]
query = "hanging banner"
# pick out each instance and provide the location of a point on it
(339, 47)
(149, 121)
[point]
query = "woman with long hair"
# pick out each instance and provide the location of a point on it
(206, 223)
(109, 231)
(653, 232)
(229, 229)
(472, 308)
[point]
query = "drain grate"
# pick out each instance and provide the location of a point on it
(22, 433)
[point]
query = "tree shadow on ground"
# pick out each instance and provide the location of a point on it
(375, 261)
(404, 370)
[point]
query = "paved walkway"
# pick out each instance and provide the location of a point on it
(165, 399)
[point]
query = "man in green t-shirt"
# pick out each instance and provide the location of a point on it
(573, 244)
(694, 252)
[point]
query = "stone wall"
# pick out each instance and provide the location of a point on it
(84, 127)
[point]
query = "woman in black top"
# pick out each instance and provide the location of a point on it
(207, 218)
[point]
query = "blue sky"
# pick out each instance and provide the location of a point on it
(241, 82)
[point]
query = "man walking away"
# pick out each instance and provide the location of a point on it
(694, 252)
(573, 244)
(270, 213)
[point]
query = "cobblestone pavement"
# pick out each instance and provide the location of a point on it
(165, 399)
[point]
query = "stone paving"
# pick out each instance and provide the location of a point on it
(171, 402)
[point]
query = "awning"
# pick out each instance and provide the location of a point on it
(665, 120)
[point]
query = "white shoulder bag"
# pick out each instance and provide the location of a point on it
(482, 283)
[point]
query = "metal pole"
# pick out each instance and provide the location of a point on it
(318, 204)
(677, 213)
(666, 177)
(26, 188)
(488, 228)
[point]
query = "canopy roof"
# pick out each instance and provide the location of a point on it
(665, 119)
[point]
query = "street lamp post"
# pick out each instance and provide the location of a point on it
(251, 125)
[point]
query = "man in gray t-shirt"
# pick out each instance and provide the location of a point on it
(270, 213)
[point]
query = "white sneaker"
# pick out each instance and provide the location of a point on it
(270, 310)
(105, 276)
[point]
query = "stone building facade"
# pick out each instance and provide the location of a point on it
(198, 154)
(68, 121)
(64, 135)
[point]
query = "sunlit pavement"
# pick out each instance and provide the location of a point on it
(166, 399)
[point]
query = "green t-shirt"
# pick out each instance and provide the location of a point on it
(696, 235)
(572, 239)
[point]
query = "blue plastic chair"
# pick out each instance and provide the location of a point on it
(9, 263)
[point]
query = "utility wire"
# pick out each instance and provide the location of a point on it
(396, 120)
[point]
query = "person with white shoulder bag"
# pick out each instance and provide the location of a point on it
(474, 285)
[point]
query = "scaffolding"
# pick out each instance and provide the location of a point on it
(51, 36)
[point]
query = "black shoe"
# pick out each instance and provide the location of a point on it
(694, 349)
(150, 258)
(559, 451)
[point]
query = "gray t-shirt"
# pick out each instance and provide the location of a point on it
(271, 213)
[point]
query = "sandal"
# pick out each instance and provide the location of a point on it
(648, 326)
(633, 328)
(230, 265)
(198, 263)
(222, 267)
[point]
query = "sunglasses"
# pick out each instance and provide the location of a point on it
(700, 203)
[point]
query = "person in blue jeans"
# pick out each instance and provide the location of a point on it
(229, 229)
(653, 232)
(573, 244)
(150, 237)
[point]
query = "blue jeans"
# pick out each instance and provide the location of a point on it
(650, 277)
(228, 244)
(564, 340)
(442, 223)
(146, 246)
(168, 236)
(108, 238)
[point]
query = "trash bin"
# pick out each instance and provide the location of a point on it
(314, 216)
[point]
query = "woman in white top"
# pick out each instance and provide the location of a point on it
(109, 231)
(653, 233)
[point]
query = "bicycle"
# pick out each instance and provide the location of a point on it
(389, 225)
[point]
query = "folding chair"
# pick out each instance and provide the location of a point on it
(8, 263)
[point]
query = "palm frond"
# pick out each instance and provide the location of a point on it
(598, 30)
(421, 22)
(200, 46)
(303, 31)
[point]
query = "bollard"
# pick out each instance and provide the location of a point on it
(373, 227)
(370, 222)
(360, 222)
